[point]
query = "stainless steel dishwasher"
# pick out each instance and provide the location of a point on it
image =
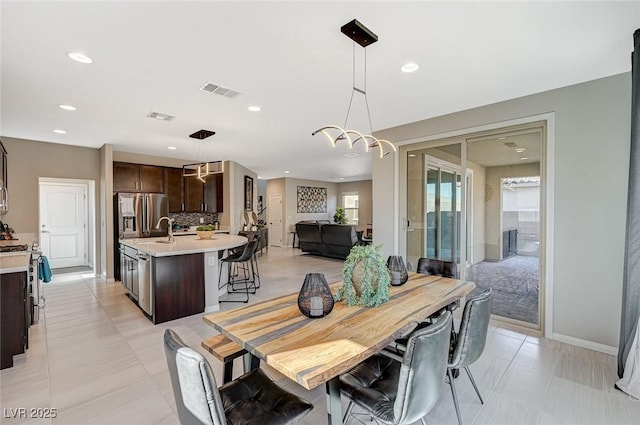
(145, 294)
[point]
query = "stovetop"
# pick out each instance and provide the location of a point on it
(13, 248)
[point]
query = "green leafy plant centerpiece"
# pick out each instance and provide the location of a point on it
(340, 217)
(365, 277)
(205, 232)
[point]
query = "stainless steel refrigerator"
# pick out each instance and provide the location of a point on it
(135, 216)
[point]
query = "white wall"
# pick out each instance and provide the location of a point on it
(235, 215)
(592, 122)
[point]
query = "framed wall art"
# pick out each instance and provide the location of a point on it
(248, 193)
(312, 199)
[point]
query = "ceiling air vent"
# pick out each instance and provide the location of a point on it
(510, 144)
(160, 116)
(202, 134)
(219, 90)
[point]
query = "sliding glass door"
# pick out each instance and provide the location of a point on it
(442, 209)
(476, 200)
(434, 204)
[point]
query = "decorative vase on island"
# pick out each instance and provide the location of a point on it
(315, 299)
(397, 270)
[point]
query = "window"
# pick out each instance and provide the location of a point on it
(350, 203)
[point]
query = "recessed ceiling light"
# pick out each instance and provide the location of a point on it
(57, 130)
(172, 148)
(351, 155)
(254, 108)
(67, 107)
(523, 158)
(287, 172)
(412, 155)
(341, 178)
(409, 67)
(79, 57)
(501, 138)
(259, 177)
(520, 150)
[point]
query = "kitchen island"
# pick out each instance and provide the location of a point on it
(179, 278)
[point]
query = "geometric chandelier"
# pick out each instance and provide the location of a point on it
(364, 37)
(202, 169)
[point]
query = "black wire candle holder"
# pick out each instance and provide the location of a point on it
(397, 270)
(315, 299)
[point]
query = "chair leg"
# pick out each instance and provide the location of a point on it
(455, 396)
(256, 273)
(347, 412)
(231, 285)
(475, 387)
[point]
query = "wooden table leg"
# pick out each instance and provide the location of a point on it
(334, 406)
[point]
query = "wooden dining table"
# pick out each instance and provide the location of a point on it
(312, 352)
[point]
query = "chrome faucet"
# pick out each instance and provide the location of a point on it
(170, 221)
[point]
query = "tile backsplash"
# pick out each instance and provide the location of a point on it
(193, 219)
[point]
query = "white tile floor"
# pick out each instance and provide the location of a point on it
(97, 360)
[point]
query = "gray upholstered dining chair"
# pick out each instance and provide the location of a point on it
(470, 341)
(252, 399)
(401, 390)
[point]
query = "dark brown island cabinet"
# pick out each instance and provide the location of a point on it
(178, 287)
(15, 316)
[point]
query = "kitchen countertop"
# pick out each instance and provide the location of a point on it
(183, 232)
(14, 262)
(158, 247)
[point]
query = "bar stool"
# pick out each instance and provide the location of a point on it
(245, 261)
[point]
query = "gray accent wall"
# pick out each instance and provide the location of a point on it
(591, 164)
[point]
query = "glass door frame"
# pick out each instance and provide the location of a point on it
(546, 123)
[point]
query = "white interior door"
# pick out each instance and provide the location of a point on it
(275, 219)
(63, 224)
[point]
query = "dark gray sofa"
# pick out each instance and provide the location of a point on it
(329, 240)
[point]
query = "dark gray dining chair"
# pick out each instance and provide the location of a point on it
(252, 399)
(430, 266)
(401, 390)
(437, 267)
(470, 341)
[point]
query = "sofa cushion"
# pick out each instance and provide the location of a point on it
(339, 234)
(308, 232)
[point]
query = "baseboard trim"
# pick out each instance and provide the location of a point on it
(602, 348)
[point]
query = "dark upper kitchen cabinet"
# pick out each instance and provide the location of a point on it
(213, 193)
(151, 179)
(125, 177)
(203, 197)
(185, 194)
(174, 188)
(193, 195)
(129, 177)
